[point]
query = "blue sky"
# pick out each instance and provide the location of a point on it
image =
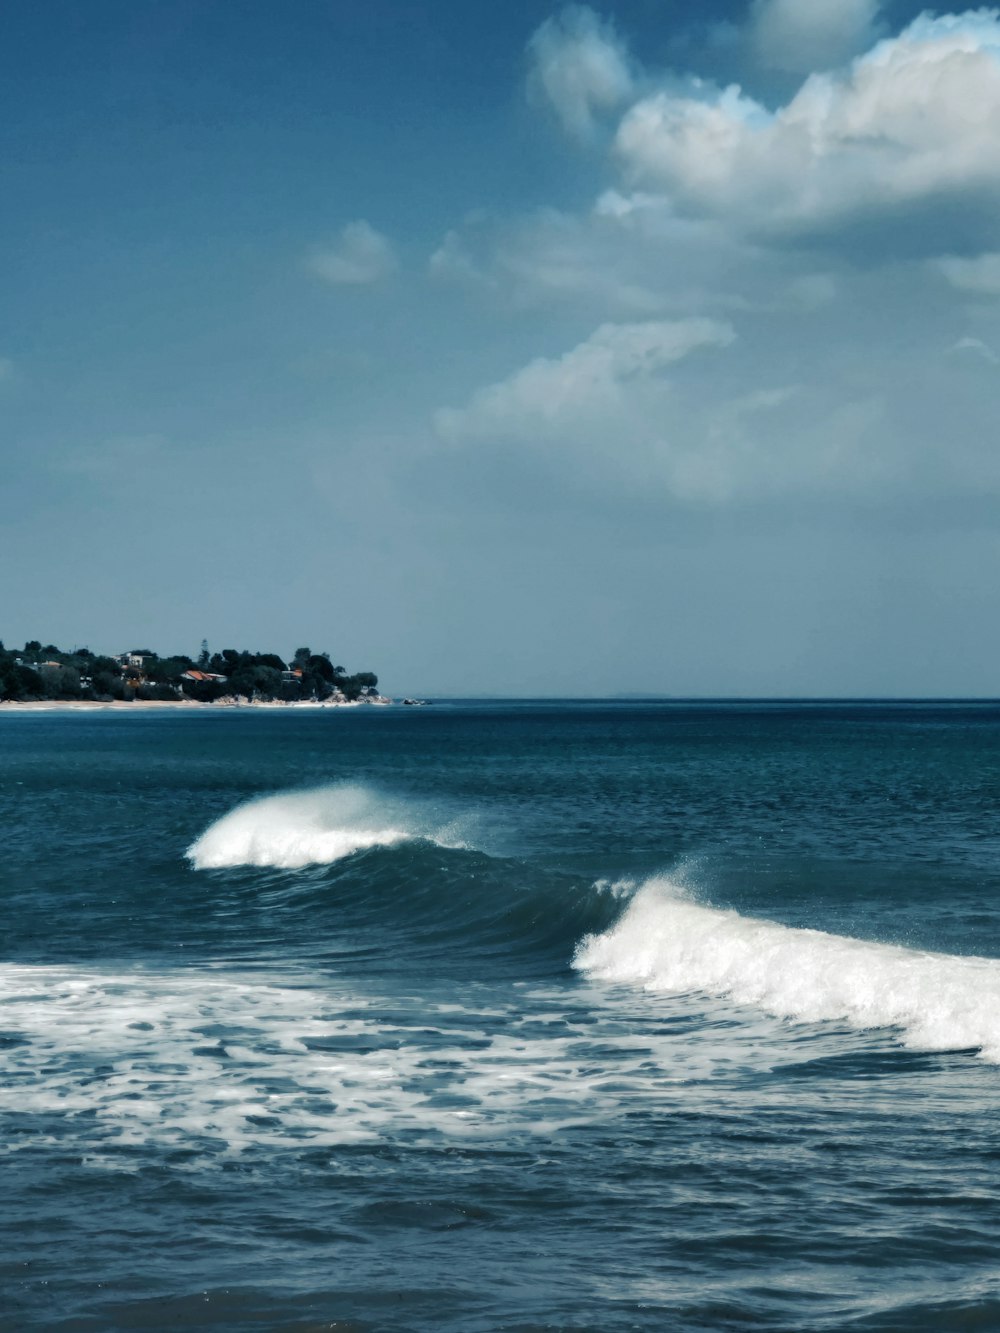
(508, 349)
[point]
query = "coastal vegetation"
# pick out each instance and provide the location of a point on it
(45, 672)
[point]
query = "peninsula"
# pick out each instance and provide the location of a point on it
(40, 673)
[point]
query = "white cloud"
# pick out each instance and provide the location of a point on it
(590, 382)
(579, 66)
(980, 274)
(360, 255)
(978, 348)
(911, 122)
(879, 401)
(804, 35)
(551, 257)
(454, 261)
(607, 419)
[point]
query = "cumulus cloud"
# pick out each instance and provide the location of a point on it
(579, 66)
(804, 35)
(591, 381)
(851, 382)
(909, 123)
(360, 255)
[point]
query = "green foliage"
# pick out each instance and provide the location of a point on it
(319, 664)
(107, 685)
(60, 682)
(253, 681)
(48, 672)
(18, 683)
(160, 693)
(167, 670)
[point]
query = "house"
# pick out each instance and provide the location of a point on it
(202, 676)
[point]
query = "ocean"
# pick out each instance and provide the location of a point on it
(519, 1016)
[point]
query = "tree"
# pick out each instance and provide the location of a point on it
(319, 664)
(107, 684)
(60, 682)
(163, 670)
(18, 683)
(262, 682)
(203, 658)
(159, 692)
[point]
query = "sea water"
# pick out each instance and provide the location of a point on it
(501, 1016)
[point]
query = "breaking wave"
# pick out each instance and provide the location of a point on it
(655, 936)
(666, 942)
(317, 827)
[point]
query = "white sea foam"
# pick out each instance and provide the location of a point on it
(666, 942)
(216, 1062)
(316, 827)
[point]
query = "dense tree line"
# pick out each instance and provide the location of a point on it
(46, 672)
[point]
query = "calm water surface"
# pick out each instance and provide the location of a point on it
(482, 1017)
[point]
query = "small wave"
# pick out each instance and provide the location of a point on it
(317, 827)
(666, 942)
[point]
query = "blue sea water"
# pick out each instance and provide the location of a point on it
(501, 1016)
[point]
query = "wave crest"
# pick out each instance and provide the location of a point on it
(666, 942)
(296, 829)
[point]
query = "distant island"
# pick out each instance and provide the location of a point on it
(40, 673)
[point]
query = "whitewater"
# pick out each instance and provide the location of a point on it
(295, 829)
(596, 1017)
(665, 941)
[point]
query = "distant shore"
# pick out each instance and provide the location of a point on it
(142, 705)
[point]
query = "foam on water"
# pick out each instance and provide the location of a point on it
(666, 942)
(316, 827)
(223, 1062)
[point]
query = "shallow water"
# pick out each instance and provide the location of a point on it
(501, 1017)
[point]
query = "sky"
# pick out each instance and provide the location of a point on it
(516, 349)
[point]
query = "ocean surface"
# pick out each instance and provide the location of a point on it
(501, 1016)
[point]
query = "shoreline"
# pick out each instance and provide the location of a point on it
(142, 705)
